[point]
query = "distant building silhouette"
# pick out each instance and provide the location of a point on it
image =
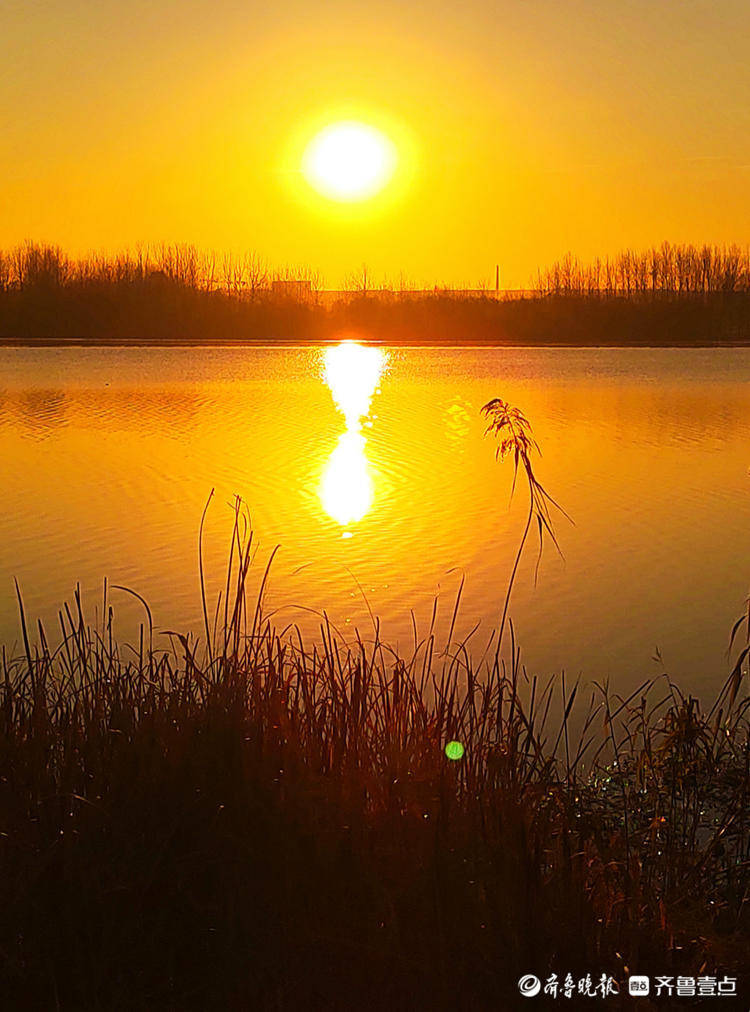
(299, 289)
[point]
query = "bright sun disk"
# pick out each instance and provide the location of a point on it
(349, 161)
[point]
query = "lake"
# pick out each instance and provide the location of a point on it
(370, 470)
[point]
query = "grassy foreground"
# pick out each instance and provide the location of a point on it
(256, 821)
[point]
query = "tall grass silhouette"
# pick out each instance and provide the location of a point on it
(513, 433)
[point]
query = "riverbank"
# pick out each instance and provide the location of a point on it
(84, 342)
(666, 297)
(175, 316)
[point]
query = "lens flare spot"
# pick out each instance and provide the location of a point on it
(454, 750)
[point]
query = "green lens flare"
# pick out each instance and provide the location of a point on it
(454, 750)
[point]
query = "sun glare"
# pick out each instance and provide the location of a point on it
(349, 161)
(352, 373)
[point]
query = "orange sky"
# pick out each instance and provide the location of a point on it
(526, 128)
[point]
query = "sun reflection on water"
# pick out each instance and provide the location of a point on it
(352, 372)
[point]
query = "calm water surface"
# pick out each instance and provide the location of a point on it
(369, 468)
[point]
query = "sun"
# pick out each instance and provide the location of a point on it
(349, 161)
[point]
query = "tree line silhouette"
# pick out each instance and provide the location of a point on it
(671, 295)
(38, 266)
(664, 270)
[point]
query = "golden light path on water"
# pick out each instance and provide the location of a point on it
(352, 372)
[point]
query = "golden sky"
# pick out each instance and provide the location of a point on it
(525, 128)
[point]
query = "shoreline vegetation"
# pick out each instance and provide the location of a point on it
(670, 296)
(252, 819)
